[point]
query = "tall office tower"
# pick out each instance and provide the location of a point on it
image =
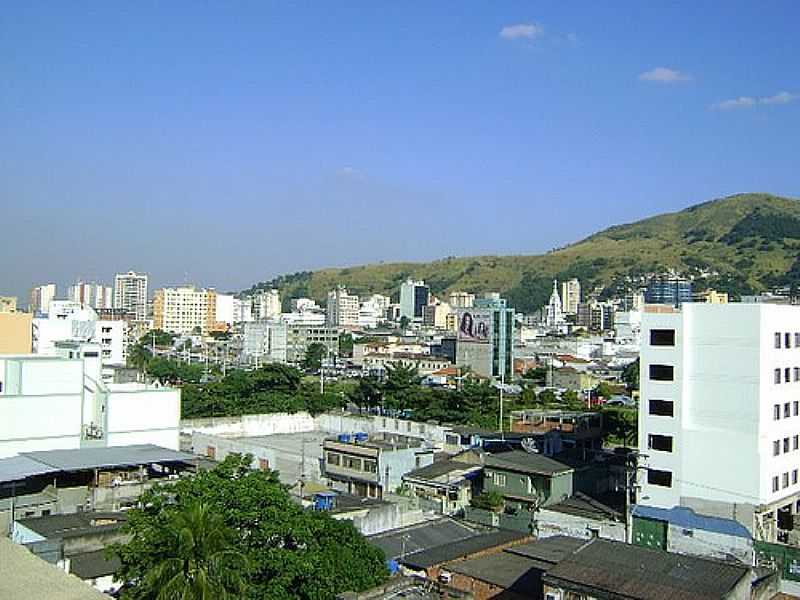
(342, 310)
(668, 290)
(130, 293)
(570, 296)
(485, 340)
(413, 296)
(41, 297)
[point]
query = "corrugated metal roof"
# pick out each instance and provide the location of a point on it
(509, 571)
(461, 548)
(643, 574)
(552, 549)
(422, 536)
(526, 462)
(17, 468)
(114, 456)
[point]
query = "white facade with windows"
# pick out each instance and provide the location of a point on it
(130, 293)
(342, 309)
(60, 402)
(719, 418)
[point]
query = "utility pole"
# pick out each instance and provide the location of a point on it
(631, 474)
(502, 385)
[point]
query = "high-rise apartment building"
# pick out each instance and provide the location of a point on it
(266, 304)
(413, 296)
(719, 416)
(185, 310)
(130, 293)
(570, 296)
(93, 295)
(342, 309)
(41, 297)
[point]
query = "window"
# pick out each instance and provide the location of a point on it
(211, 452)
(662, 373)
(777, 340)
(787, 375)
(794, 477)
(46, 512)
(777, 376)
(661, 408)
(776, 412)
(660, 478)
(333, 459)
(787, 340)
(797, 373)
(662, 443)
(371, 466)
(662, 337)
(786, 480)
(796, 442)
(776, 448)
(500, 479)
(263, 464)
(795, 408)
(775, 485)
(352, 463)
(787, 410)
(796, 340)
(785, 445)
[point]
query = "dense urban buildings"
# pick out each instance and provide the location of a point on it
(41, 297)
(93, 295)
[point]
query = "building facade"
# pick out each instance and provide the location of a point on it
(485, 341)
(41, 297)
(342, 309)
(267, 304)
(93, 295)
(300, 337)
(719, 418)
(413, 296)
(185, 310)
(265, 342)
(130, 293)
(570, 296)
(668, 290)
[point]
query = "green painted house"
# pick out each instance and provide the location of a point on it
(526, 479)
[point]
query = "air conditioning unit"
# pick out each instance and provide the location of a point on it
(445, 577)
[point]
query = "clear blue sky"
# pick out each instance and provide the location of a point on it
(223, 143)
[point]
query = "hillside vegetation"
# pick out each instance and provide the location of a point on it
(740, 244)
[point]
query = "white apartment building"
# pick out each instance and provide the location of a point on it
(242, 311)
(41, 297)
(184, 310)
(93, 295)
(303, 304)
(266, 304)
(60, 402)
(130, 293)
(342, 310)
(719, 417)
(570, 296)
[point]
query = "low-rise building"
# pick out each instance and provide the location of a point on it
(300, 337)
(446, 487)
(372, 465)
(527, 480)
(604, 569)
(575, 429)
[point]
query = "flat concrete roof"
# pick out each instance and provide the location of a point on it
(290, 443)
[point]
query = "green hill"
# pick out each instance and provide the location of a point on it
(740, 244)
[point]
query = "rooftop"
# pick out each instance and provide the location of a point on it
(441, 468)
(91, 565)
(422, 536)
(75, 524)
(644, 574)
(509, 571)
(526, 462)
(551, 549)
(462, 548)
(24, 575)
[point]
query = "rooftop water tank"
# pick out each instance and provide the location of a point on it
(361, 436)
(324, 501)
(344, 437)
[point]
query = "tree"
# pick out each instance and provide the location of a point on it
(200, 558)
(366, 394)
(630, 375)
(604, 390)
(572, 401)
(158, 337)
(315, 353)
(488, 501)
(401, 384)
(547, 397)
(404, 321)
(346, 345)
(291, 552)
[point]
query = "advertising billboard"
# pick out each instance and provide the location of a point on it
(475, 325)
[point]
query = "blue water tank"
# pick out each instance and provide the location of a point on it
(362, 437)
(324, 501)
(394, 566)
(344, 437)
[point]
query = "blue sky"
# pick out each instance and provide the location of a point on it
(224, 143)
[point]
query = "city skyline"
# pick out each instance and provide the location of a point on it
(265, 140)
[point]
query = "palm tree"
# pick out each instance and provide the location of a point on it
(201, 562)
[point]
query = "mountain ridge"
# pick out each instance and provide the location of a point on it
(742, 243)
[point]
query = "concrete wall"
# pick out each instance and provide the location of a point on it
(30, 423)
(144, 417)
(375, 519)
(251, 425)
(550, 523)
